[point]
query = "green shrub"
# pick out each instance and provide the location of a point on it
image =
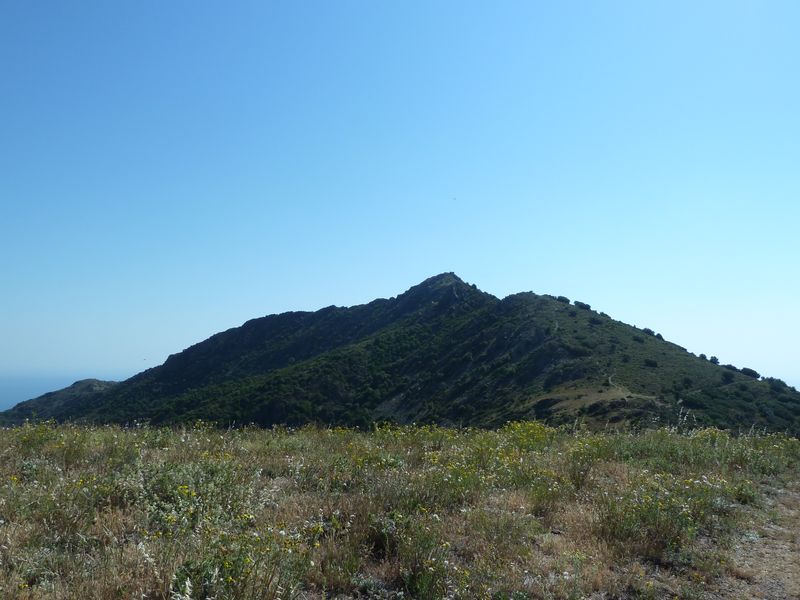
(661, 513)
(750, 372)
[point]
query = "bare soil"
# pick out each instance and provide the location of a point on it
(765, 560)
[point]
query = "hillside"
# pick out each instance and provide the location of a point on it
(442, 352)
(60, 401)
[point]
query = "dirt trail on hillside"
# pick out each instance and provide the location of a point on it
(765, 560)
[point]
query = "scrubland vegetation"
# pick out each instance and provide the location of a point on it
(526, 511)
(441, 353)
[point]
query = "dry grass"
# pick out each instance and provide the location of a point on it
(399, 512)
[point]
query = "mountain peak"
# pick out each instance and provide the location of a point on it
(445, 286)
(442, 352)
(442, 280)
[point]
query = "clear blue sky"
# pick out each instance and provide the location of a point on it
(172, 169)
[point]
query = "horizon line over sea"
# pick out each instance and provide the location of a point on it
(18, 388)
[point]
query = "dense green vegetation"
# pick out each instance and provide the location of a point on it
(524, 511)
(443, 352)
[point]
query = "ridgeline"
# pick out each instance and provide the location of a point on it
(443, 352)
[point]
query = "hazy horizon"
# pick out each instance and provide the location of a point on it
(18, 388)
(171, 171)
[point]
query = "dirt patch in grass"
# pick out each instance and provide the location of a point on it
(765, 560)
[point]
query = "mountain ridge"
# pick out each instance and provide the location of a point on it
(443, 351)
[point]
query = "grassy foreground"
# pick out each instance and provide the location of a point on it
(526, 511)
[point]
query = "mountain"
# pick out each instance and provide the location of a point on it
(63, 400)
(441, 352)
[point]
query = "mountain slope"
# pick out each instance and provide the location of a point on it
(60, 401)
(442, 352)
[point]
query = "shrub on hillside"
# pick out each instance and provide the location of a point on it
(776, 385)
(750, 372)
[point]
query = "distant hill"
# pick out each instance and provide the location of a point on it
(442, 352)
(67, 399)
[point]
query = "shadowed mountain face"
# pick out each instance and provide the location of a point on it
(61, 401)
(442, 352)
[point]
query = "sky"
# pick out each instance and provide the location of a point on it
(170, 170)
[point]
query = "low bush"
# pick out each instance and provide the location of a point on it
(750, 372)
